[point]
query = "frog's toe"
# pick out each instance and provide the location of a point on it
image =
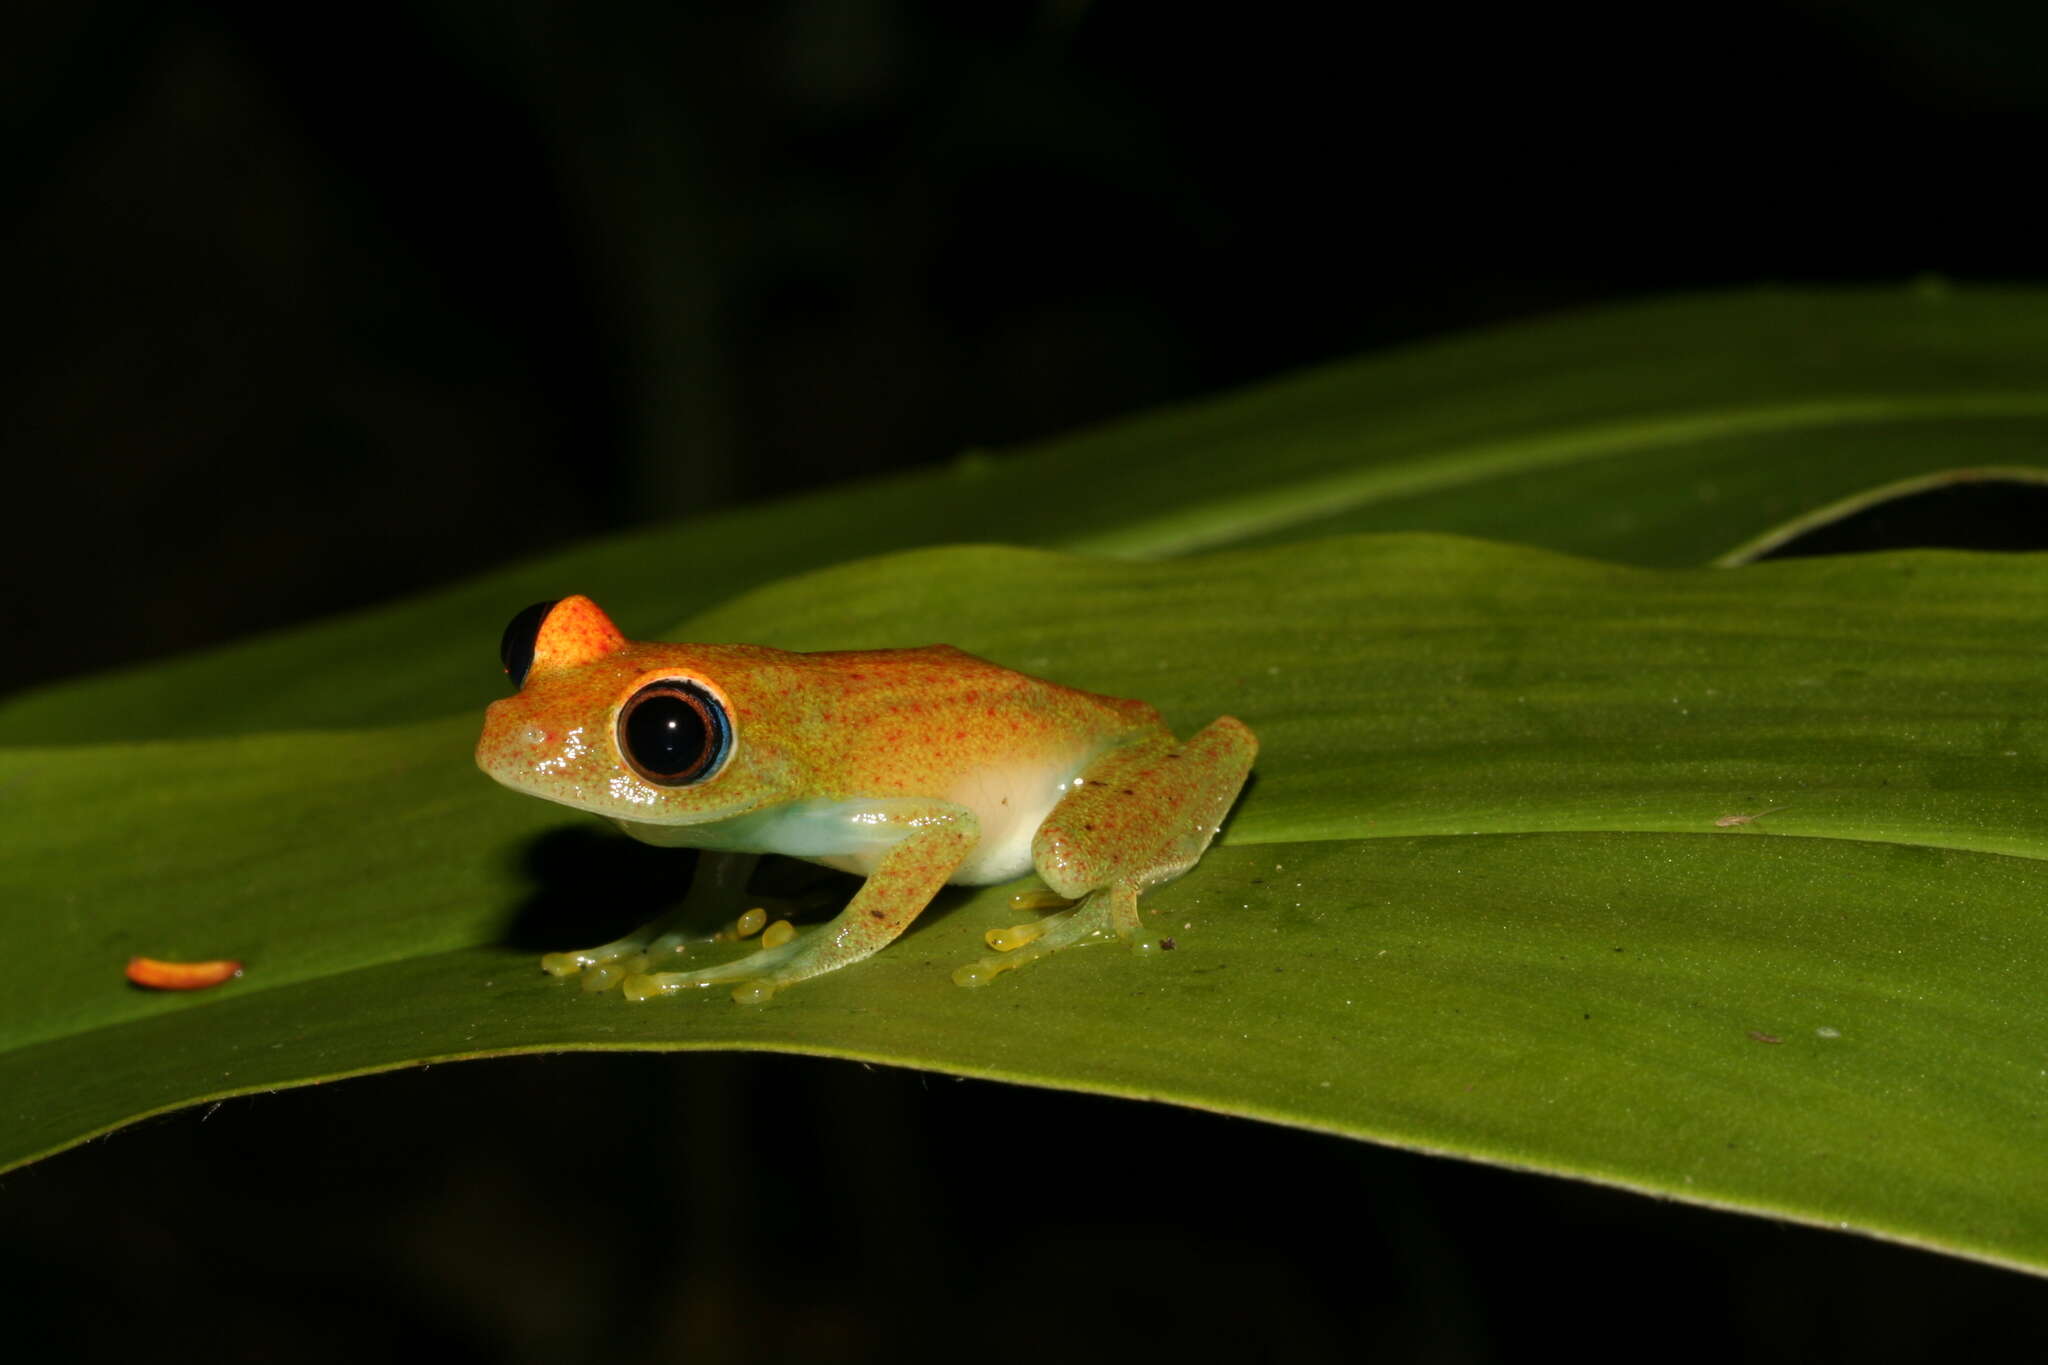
(759, 974)
(1044, 898)
(606, 975)
(1017, 935)
(759, 991)
(565, 964)
(984, 970)
(752, 991)
(584, 959)
(1112, 910)
(606, 965)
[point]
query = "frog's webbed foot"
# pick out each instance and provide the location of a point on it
(648, 950)
(1112, 910)
(605, 965)
(719, 889)
(778, 962)
(901, 884)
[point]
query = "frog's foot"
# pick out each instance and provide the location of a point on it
(1041, 899)
(718, 891)
(937, 839)
(609, 964)
(781, 960)
(605, 965)
(1112, 910)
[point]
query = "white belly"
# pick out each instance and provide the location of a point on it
(1011, 803)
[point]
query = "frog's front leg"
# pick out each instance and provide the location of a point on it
(1140, 815)
(937, 837)
(715, 895)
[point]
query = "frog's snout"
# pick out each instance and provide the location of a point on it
(508, 739)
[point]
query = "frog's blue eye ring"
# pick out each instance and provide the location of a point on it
(515, 648)
(674, 733)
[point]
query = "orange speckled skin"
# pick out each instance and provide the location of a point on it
(840, 725)
(911, 767)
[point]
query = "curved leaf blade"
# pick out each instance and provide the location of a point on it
(1721, 1020)
(1476, 901)
(1658, 433)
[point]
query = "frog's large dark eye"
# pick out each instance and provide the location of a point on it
(674, 733)
(515, 648)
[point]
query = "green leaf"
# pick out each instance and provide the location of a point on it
(1661, 433)
(1477, 899)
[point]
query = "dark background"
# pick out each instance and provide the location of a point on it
(306, 313)
(307, 310)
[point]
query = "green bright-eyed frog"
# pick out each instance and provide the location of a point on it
(910, 767)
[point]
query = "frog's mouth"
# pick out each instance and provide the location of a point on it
(662, 836)
(710, 830)
(552, 777)
(655, 820)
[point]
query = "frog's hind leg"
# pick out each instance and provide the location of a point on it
(1141, 815)
(715, 894)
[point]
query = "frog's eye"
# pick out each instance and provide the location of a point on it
(515, 649)
(674, 733)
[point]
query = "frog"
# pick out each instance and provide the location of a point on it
(911, 768)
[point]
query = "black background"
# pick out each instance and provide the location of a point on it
(308, 310)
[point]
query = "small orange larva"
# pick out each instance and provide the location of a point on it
(181, 976)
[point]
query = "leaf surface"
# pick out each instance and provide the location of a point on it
(1662, 433)
(1476, 900)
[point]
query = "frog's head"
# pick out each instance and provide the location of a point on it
(658, 735)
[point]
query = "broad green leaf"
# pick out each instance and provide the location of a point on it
(1476, 901)
(1660, 433)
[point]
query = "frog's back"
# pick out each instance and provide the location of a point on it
(900, 718)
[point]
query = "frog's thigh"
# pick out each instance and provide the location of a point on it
(1144, 813)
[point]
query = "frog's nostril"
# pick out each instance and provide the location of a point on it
(533, 734)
